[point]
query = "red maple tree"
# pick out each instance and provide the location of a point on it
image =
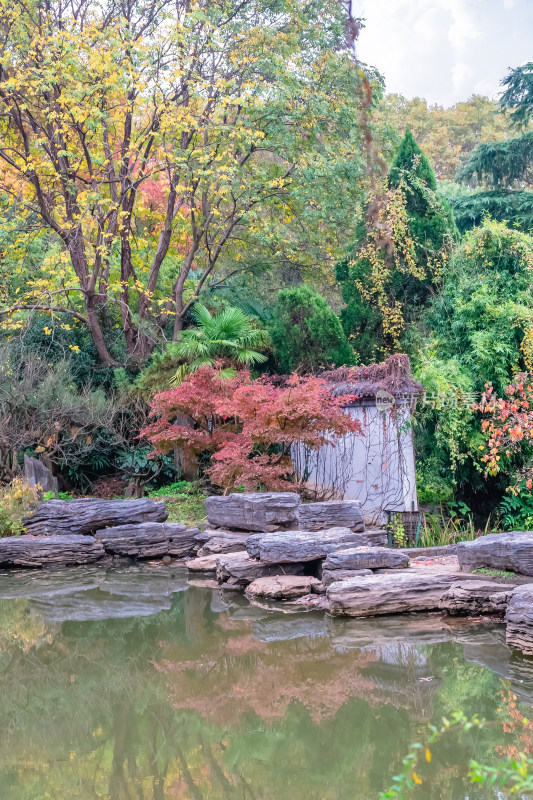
(248, 426)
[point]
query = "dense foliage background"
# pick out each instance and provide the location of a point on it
(233, 189)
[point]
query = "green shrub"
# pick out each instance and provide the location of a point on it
(517, 512)
(177, 489)
(17, 500)
(306, 333)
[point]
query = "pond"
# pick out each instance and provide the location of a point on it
(130, 684)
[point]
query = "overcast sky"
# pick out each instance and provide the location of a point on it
(445, 50)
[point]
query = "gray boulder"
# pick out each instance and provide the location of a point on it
(223, 542)
(476, 597)
(220, 546)
(37, 474)
(203, 564)
(181, 540)
(205, 534)
(505, 551)
(254, 511)
(90, 514)
(238, 569)
(332, 575)
(374, 537)
(519, 619)
(333, 514)
(366, 558)
(41, 551)
(282, 587)
(394, 593)
(297, 546)
(147, 540)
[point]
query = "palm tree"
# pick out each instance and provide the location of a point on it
(227, 336)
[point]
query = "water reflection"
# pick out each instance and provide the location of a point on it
(127, 684)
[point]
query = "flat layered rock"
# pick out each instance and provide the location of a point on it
(254, 511)
(203, 564)
(205, 534)
(366, 558)
(148, 540)
(394, 593)
(40, 551)
(519, 619)
(476, 597)
(240, 569)
(505, 551)
(88, 515)
(333, 514)
(332, 575)
(282, 587)
(432, 552)
(228, 543)
(181, 540)
(374, 537)
(287, 547)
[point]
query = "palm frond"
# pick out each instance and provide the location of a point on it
(201, 315)
(250, 357)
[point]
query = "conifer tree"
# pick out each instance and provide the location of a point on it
(430, 218)
(502, 170)
(306, 333)
(398, 258)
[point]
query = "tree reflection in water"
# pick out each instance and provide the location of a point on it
(201, 696)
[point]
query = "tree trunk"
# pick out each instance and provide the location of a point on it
(97, 333)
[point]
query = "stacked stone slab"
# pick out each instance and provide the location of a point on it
(44, 551)
(519, 619)
(358, 558)
(283, 587)
(476, 597)
(62, 533)
(387, 594)
(149, 540)
(91, 514)
(353, 562)
(281, 511)
(269, 511)
(292, 547)
(216, 541)
(239, 569)
(502, 551)
(285, 544)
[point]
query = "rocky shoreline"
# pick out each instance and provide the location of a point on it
(276, 550)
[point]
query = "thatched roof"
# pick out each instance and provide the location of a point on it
(393, 376)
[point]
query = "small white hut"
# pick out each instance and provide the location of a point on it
(378, 467)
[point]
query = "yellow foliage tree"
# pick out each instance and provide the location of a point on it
(158, 142)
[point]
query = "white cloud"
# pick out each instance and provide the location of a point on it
(444, 50)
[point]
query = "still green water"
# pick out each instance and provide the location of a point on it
(129, 684)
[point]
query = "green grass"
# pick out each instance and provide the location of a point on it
(494, 573)
(177, 489)
(187, 509)
(437, 529)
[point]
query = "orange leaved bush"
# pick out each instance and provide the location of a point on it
(248, 426)
(508, 424)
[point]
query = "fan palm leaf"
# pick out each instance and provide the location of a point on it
(229, 335)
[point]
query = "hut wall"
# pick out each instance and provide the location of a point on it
(377, 469)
